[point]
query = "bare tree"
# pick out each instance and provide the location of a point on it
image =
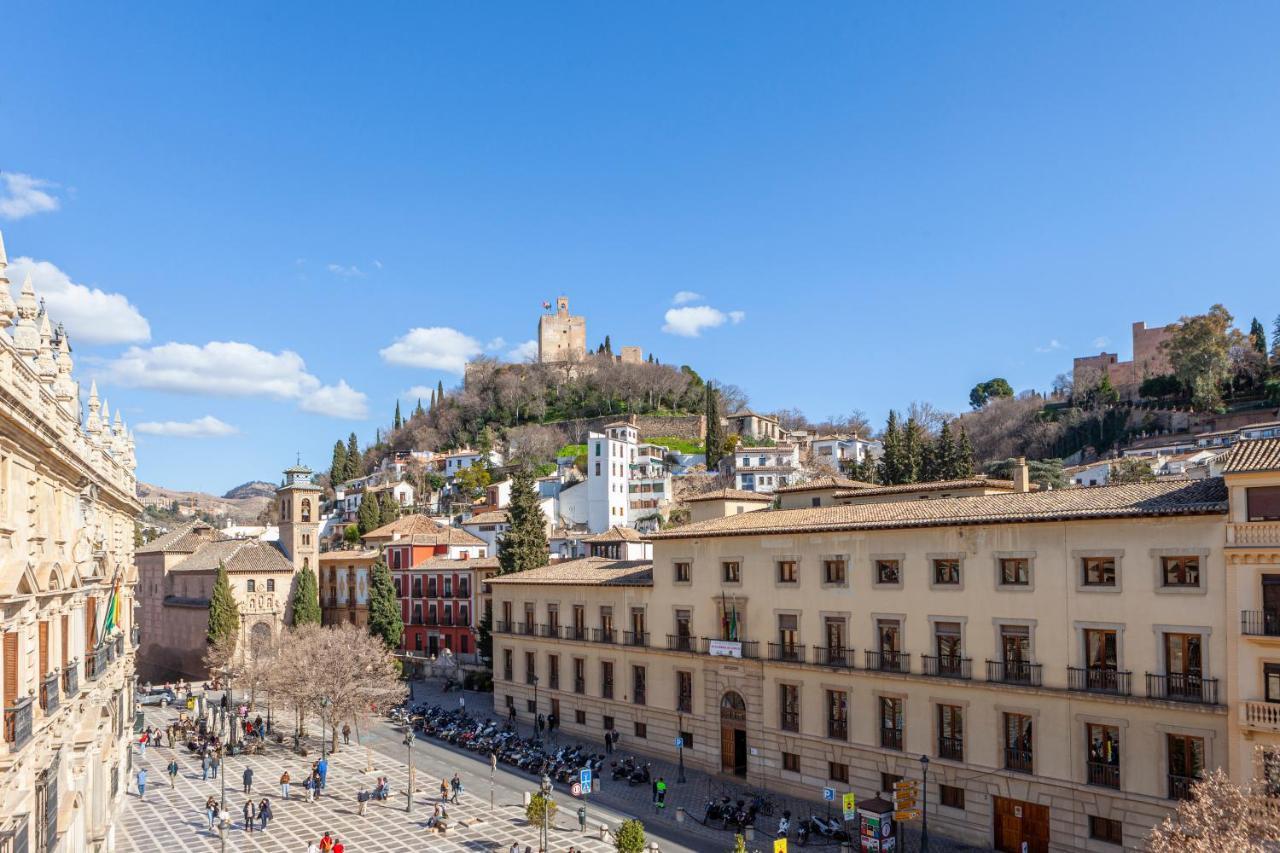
(532, 444)
(928, 415)
(732, 398)
(1219, 815)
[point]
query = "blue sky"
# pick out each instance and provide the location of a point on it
(900, 201)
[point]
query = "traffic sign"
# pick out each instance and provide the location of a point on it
(828, 794)
(679, 743)
(584, 777)
(576, 789)
(850, 804)
(906, 814)
(780, 845)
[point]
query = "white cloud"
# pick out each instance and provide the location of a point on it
(24, 196)
(1100, 342)
(91, 315)
(418, 392)
(234, 369)
(689, 321)
(527, 351)
(206, 427)
(435, 348)
(495, 344)
(377, 264)
(345, 270)
(337, 401)
(1054, 344)
(685, 296)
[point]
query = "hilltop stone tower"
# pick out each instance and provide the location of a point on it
(562, 336)
(298, 507)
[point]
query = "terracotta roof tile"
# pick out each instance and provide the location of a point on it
(181, 540)
(407, 525)
(587, 571)
(1254, 454)
(237, 555)
(1170, 497)
(349, 554)
(495, 516)
(448, 564)
(933, 486)
(730, 495)
(829, 481)
(616, 534)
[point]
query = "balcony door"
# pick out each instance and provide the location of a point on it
(1183, 663)
(1271, 604)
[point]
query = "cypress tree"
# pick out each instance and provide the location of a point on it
(353, 458)
(398, 421)
(1258, 337)
(713, 437)
(417, 413)
(944, 456)
(524, 544)
(369, 515)
(891, 463)
(484, 637)
(433, 400)
(914, 444)
(224, 613)
(608, 347)
(440, 391)
(964, 456)
(385, 619)
(388, 508)
(306, 599)
(1275, 340)
(338, 468)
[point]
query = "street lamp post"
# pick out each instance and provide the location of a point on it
(680, 749)
(408, 742)
(545, 788)
(222, 802)
(537, 732)
(924, 802)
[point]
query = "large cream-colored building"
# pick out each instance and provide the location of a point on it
(176, 573)
(1068, 660)
(67, 507)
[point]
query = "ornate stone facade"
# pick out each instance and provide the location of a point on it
(67, 509)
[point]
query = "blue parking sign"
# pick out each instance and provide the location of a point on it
(679, 743)
(584, 776)
(828, 794)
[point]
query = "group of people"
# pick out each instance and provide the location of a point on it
(260, 811)
(327, 844)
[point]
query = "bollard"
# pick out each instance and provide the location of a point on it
(679, 814)
(604, 832)
(750, 833)
(528, 798)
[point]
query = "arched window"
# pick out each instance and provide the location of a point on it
(306, 509)
(732, 707)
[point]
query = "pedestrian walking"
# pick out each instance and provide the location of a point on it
(204, 766)
(322, 768)
(338, 846)
(661, 793)
(284, 785)
(515, 848)
(309, 786)
(326, 844)
(142, 782)
(455, 785)
(211, 811)
(250, 813)
(316, 783)
(362, 797)
(142, 745)
(511, 717)
(608, 744)
(653, 791)
(173, 771)
(214, 762)
(264, 812)
(346, 733)
(313, 848)
(248, 780)
(444, 790)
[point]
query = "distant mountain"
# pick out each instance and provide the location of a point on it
(251, 489)
(243, 504)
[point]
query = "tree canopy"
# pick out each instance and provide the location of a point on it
(524, 544)
(306, 599)
(983, 392)
(224, 612)
(386, 621)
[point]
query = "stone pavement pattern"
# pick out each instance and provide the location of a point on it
(174, 819)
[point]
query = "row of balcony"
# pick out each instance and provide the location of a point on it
(19, 717)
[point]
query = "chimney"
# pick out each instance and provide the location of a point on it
(1021, 475)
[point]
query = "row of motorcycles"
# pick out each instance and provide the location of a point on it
(737, 815)
(488, 737)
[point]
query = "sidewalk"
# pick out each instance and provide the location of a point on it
(693, 795)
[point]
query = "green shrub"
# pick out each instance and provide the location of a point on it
(630, 837)
(679, 445)
(537, 805)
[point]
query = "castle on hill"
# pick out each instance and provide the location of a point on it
(562, 337)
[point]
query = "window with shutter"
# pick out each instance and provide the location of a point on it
(90, 623)
(10, 668)
(44, 648)
(65, 638)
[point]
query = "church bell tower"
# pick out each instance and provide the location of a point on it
(298, 508)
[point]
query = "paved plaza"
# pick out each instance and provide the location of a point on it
(174, 819)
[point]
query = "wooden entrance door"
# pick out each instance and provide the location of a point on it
(1017, 822)
(733, 734)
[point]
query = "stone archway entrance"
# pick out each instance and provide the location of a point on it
(733, 734)
(259, 639)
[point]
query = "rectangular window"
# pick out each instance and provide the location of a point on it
(888, 571)
(791, 762)
(951, 796)
(833, 570)
(506, 664)
(1185, 756)
(1017, 743)
(684, 572)
(887, 781)
(250, 585)
(1103, 762)
(579, 675)
(642, 730)
(951, 732)
(1099, 571)
(1106, 829)
(946, 572)
(580, 717)
(947, 645)
(638, 683)
(607, 723)
(553, 672)
(531, 705)
(530, 667)
(1015, 571)
(789, 707)
(787, 571)
(684, 691)
(838, 772)
(837, 714)
(732, 571)
(890, 723)
(1180, 571)
(606, 679)
(1263, 503)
